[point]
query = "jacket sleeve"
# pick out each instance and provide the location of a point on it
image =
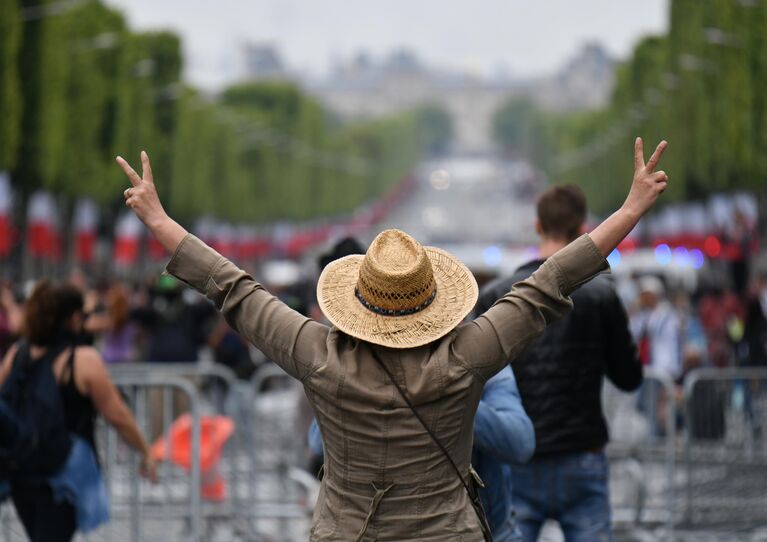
(500, 334)
(624, 368)
(294, 342)
(502, 428)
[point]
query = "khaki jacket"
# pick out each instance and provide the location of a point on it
(384, 477)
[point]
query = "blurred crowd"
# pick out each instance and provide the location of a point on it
(718, 324)
(715, 325)
(157, 320)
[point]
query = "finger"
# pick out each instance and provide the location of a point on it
(126, 193)
(655, 158)
(146, 167)
(638, 154)
(662, 186)
(129, 171)
(659, 176)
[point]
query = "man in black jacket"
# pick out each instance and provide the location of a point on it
(560, 380)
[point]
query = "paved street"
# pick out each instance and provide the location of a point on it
(468, 200)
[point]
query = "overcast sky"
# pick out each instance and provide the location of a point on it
(519, 37)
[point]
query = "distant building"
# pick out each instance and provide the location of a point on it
(585, 82)
(364, 88)
(369, 88)
(263, 62)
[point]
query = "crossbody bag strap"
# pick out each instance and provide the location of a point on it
(473, 497)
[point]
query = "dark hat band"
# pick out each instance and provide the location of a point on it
(394, 312)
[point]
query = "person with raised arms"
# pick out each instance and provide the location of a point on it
(396, 379)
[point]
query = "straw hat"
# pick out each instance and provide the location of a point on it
(399, 294)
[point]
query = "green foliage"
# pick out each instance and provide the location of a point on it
(78, 87)
(44, 69)
(10, 89)
(701, 87)
(436, 128)
(520, 128)
(95, 35)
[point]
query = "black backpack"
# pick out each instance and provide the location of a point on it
(31, 394)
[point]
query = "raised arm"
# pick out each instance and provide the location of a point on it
(109, 403)
(501, 333)
(293, 341)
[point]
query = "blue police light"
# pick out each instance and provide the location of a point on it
(697, 258)
(614, 259)
(682, 257)
(492, 256)
(663, 254)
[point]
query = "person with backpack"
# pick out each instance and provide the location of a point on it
(396, 379)
(50, 393)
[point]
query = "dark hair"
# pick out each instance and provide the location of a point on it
(48, 310)
(562, 212)
(345, 247)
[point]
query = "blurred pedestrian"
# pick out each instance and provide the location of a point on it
(693, 343)
(397, 448)
(560, 380)
(117, 333)
(722, 315)
(55, 389)
(657, 329)
(175, 324)
(11, 315)
(230, 349)
(755, 334)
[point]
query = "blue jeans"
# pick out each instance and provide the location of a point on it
(569, 488)
(508, 532)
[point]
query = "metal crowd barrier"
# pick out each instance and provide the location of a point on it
(725, 454)
(642, 452)
(269, 496)
(217, 391)
(153, 511)
(277, 459)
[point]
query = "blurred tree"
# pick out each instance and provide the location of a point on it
(701, 87)
(44, 72)
(261, 152)
(10, 88)
(149, 71)
(436, 128)
(519, 128)
(95, 37)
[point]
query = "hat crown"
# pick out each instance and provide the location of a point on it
(396, 273)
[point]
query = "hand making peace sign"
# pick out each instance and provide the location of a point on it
(648, 184)
(142, 195)
(143, 199)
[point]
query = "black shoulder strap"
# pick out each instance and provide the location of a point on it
(70, 366)
(21, 357)
(473, 497)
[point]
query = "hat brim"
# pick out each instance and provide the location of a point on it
(456, 296)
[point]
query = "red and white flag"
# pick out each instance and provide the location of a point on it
(85, 222)
(7, 233)
(127, 239)
(43, 239)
